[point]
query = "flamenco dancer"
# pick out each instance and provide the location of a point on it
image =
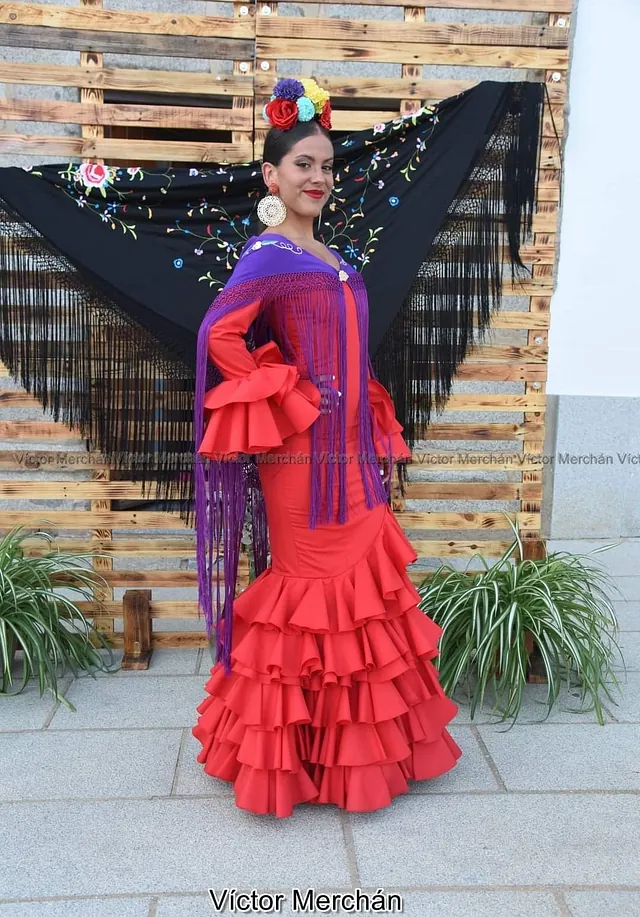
(324, 689)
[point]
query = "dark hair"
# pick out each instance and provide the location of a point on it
(278, 143)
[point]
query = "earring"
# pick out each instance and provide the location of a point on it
(271, 209)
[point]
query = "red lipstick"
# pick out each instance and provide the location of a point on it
(316, 195)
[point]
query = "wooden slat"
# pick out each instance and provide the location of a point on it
(167, 116)
(71, 519)
(433, 90)
(475, 402)
(140, 547)
(380, 52)
(124, 519)
(165, 81)
(73, 490)
(490, 431)
(288, 28)
(106, 20)
(518, 6)
(494, 372)
(471, 490)
(348, 120)
(475, 461)
(129, 150)
(27, 36)
(456, 521)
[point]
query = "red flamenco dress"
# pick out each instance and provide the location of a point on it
(333, 695)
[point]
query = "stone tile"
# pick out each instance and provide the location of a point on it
(576, 757)
(500, 839)
(629, 586)
(480, 904)
(623, 559)
(595, 904)
(88, 907)
(206, 662)
(164, 845)
(472, 772)
(26, 710)
(167, 701)
(534, 709)
(192, 779)
(629, 643)
(626, 708)
(163, 662)
(58, 765)
(415, 904)
(628, 615)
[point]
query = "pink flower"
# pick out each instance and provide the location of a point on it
(94, 174)
(378, 128)
(133, 170)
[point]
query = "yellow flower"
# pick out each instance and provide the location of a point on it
(317, 95)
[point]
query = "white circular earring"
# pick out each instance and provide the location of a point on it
(271, 209)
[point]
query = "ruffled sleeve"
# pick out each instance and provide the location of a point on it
(262, 399)
(385, 423)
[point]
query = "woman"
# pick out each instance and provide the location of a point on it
(326, 692)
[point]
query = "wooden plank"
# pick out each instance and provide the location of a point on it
(434, 548)
(494, 372)
(349, 120)
(165, 81)
(381, 52)
(518, 6)
(28, 36)
(52, 431)
(127, 490)
(433, 90)
(471, 490)
(140, 547)
(41, 460)
(412, 31)
(457, 521)
(489, 431)
(124, 519)
(167, 116)
(129, 150)
(442, 461)
(99, 489)
(106, 20)
(476, 402)
(89, 97)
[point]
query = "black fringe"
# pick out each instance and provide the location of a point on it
(72, 348)
(491, 215)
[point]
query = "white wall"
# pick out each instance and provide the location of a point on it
(594, 342)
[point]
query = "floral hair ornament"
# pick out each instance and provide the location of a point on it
(297, 100)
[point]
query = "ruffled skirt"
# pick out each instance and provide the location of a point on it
(333, 697)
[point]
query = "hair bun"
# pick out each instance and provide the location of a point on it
(297, 100)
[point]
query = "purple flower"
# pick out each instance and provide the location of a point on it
(288, 89)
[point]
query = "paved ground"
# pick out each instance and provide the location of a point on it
(105, 813)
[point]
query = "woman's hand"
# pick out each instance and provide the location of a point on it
(384, 469)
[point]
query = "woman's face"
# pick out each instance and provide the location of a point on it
(305, 175)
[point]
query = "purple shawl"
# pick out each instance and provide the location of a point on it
(292, 285)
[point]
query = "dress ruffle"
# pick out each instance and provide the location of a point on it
(259, 411)
(333, 697)
(386, 423)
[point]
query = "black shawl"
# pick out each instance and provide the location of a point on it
(107, 271)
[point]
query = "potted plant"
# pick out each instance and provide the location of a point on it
(490, 620)
(35, 618)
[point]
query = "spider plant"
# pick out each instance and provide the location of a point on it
(488, 618)
(47, 627)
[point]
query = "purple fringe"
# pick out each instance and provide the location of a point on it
(224, 489)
